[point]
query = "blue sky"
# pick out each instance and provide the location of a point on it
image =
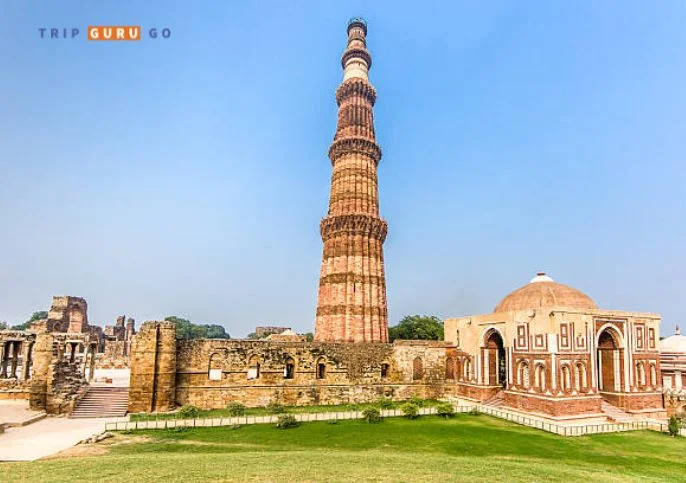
(188, 175)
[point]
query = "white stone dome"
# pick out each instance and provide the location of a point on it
(674, 343)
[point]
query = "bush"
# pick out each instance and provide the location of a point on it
(189, 411)
(235, 409)
(674, 426)
(411, 411)
(371, 415)
(417, 401)
(445, 410)
(352, 407)
(276, 408)
(474, 411)
(386, 403)
(287, 421)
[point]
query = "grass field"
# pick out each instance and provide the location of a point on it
(467, 447)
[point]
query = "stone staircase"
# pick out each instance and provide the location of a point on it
(102, 402)
(615, 414)
(495, 401)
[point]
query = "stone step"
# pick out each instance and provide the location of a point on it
(102, 402)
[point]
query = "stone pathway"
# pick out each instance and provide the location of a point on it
(46, 437)
(16, 413)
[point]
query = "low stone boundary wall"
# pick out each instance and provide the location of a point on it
(271, 419)
(533, 422)
(570, 429)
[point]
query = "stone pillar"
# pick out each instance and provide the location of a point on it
(26, 360)
(152, 385)
(15, 358)
(42, 364)
(3, 361)
(91, 372)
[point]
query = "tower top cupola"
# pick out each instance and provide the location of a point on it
(357, 22)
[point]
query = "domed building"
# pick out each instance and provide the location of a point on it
(548, 349)
(673, 368)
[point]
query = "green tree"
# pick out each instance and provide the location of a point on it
(187, 330)
(3, 325)
(41, 314)
(417, 327)
(309, 336)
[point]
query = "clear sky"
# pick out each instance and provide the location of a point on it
(188, 175)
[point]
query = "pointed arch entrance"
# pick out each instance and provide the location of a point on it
(609, 361)
(494, 358)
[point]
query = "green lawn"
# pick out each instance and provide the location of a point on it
(467, 447)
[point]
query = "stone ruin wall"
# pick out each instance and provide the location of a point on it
(60, 377)
(115, 355)
(166, 373)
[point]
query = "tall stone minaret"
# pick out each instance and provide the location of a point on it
(352, 284)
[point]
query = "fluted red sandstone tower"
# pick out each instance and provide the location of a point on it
(352, 284)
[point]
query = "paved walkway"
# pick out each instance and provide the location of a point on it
(16, 412)
(46, 437)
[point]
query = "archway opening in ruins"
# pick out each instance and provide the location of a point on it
(609, 361)
(289, 370)
(496, 362)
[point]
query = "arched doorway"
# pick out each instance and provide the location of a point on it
(495, 359)
(609, 361)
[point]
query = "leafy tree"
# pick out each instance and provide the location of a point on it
(3, 325)
(417, 327)
(309, 336)
(41, 314)
(187, 330)
(252, 336)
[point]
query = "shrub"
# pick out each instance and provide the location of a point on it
(445, 410)
(276, 408)
(411, 411)
(371, 415)
(674, 426)
(287, 421)
(474, 411)
(417, 401)
(189, 411)
(353, 407)
(235, 409)
(386, 403)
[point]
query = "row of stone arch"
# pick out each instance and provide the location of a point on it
(572, 377)
(646, 374)
(458, 369)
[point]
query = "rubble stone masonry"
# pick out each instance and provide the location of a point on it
(210, 373)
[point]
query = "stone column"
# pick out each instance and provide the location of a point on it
(26, 360)
(15, 359)
(42, 363)
(3, 362)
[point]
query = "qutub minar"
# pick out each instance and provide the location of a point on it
(546, 349)
(352, 285)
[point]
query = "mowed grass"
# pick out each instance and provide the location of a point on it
(467, 447)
